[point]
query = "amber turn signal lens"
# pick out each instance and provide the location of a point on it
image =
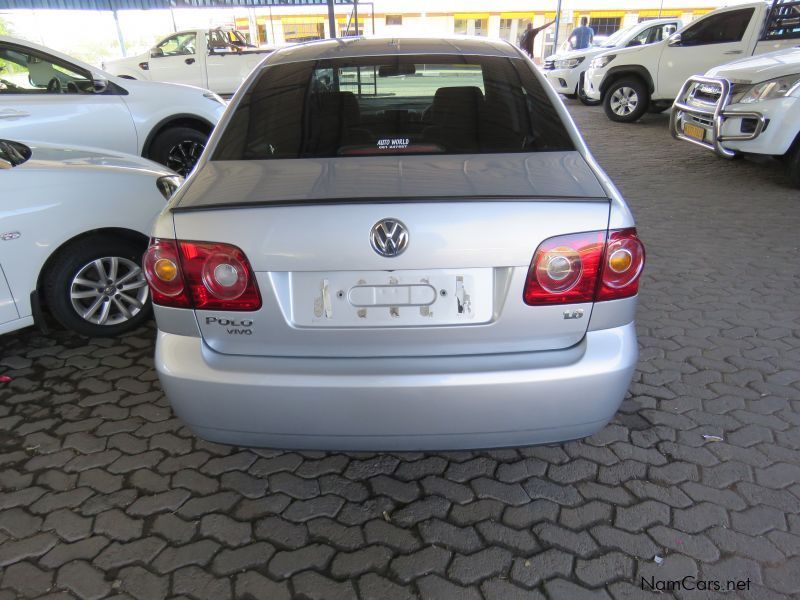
(165, 269)
(620, 261)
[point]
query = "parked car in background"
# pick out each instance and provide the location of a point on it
(73, 225)
(369, 259)
(217, 59)
(749, 106)
(631, 81)
(565, 71)
(50, 97)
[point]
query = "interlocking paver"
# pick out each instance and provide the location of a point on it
(476, 567)
(257, 586)
(142, 584)
(431, 559)
(106, 492)
(235, 561)
(374, 587)
(286, 563)
(26, 579)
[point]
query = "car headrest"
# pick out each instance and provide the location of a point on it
(461, 100)
(340, 104)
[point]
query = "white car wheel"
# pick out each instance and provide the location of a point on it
(109, 291)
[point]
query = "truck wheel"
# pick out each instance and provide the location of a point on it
(626, 100)
(793, 166)
(96, 286)
(178, 148)
(583, 97)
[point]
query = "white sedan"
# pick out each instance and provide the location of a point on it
(73, 225)
(51, 97)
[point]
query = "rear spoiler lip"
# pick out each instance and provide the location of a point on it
(366, 200)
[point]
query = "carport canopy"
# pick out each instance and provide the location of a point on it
(154, 4)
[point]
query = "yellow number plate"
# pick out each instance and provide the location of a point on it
(694, 131)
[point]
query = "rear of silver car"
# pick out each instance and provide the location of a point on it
(412, 289)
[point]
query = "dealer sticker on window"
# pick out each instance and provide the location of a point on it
(393, 143)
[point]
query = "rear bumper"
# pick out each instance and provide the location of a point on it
(398, 403)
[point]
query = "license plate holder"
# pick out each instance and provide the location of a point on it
(694, 131)
(392, 298)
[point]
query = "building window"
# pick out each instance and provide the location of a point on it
(344, 31)
(478, 27)
(303, 32)
(394, 19)
(505, 30)
(605, 25)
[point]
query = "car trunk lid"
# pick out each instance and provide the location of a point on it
(456, 288)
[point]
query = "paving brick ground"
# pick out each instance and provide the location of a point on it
(104, 493)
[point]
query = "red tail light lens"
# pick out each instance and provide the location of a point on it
(624, 261)
(585, 267)
(162, 269)
(564, 269)
(200, 275)
(219, 276)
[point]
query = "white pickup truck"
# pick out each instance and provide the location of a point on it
(749, 106)
(565, 71)
(215, 59)
(632, 80)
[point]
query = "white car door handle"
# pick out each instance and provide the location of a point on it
(10, 113)
(733, 52)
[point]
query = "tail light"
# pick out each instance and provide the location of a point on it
(200, 275)
(585, 267)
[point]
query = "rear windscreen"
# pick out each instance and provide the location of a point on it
(377, 106)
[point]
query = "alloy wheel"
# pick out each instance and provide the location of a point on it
(183, 156)
(109, 291)
(624, 101)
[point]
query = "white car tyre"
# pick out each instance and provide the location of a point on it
(96, 287)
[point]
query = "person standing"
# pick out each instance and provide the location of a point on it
(582, 37)
(526, 41)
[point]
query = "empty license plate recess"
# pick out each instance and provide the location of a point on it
(392, 298)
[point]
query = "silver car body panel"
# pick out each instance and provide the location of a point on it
(389, 404)
(448, 240)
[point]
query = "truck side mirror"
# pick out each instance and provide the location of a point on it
(156, 52)
(675, 40)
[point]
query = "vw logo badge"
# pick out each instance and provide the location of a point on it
(389, 237)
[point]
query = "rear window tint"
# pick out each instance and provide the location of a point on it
(376, 106)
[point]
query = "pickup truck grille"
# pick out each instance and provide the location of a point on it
(549, 65)
(707, 93)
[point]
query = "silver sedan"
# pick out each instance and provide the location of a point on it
(395, 244)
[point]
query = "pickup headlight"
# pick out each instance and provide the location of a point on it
(168, 184)
(766, 90)
(568, 63)
(602, 61)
